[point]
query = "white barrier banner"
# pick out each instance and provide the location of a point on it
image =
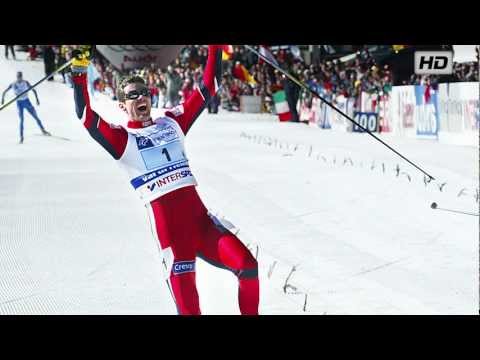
(459, 107)
(368, 102)
(306, 113)
(347, 106)
(402, 106)
(250, 104)
(337, 120)
(426, 112)
(125, 57)
(457, 113)
(321, 113)
(384, 114)
(323, 116)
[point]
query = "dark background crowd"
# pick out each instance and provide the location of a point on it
(175, 84)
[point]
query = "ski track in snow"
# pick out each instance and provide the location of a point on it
(75, 240)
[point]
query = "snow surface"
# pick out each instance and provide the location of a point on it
(74, 239)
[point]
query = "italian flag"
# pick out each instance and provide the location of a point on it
(281, 106)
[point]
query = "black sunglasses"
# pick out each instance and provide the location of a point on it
(135, 94)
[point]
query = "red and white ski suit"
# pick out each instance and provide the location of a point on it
(153, 155)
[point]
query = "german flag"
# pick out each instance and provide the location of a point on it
(227, 52)
(240, 72)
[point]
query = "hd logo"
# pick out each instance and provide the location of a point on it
(433, 62)
(182, 267)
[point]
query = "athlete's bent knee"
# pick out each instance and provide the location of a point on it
(249, 268)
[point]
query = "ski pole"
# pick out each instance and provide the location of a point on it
(303, 85)
(67, 64)
(434, 206)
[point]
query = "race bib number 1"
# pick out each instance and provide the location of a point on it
(162, 155)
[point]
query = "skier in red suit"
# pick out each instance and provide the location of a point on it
(152, 153)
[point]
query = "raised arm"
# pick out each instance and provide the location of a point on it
(111, 137)
(186, 114)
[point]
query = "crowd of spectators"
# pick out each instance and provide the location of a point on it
(330, 77)
(175, 84)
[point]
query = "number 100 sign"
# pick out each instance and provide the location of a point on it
(368, 120)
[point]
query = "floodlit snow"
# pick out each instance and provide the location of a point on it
(74, 239)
